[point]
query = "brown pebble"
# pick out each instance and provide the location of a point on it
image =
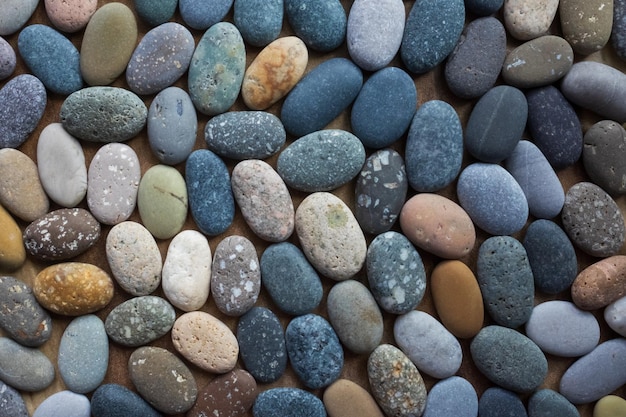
(600, 284)
(12, 253)
(345, 398)
(586, 24)
(231, 394)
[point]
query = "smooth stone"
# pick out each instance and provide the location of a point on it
(261, 341)
(140, 320)
(618, 31)
(83, 354)
(615, 316)
(602, 155)
(497, 402)
(597, 374)
(73, 288)
(457, 298)
(243, 135)
(211, 199)
(236, 275)
(330, 236)
(11, 402)
(61, 234)
(374, 32)
(492, 198)
(231, 394)
(14, 14)
(506, 280)
(586, 25)
(453, 396)
(22, 103)
(259, 21)
(321, 95)
(384, 108)
(155, 12)
(526, 20)
(321, 24)
(509, 359)
(162, 201)
(287, 402)
(162, 379)
(160, 59)
(186, 273)
(395, 273)
(108, 43)
(172, 125)
(205, 341)
(12, 252)
(285, 271)
(344, 398)
(496, 124)
(597, 232)
(65, 403)
(202, 14)
(314, 350)
(380, 191)
(23, 319)
(475, 63)
(217, 68)
(264, 200)
(113, 182)
(24, 368)
(274, 72)
(554, 126)
(396, 384)
(546, 403)
(538, 62)
(21, 191)
(113, 400)
(70, 16)
(609, 406)
(8, 60)
(483, 7)
(321, 161)
(551, 255)
(600, 284)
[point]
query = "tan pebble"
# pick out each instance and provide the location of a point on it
(610, 406)
(529, 19)
(600, 284)
(70, 15)
(586, 24)
(12, 252)
(345, 398)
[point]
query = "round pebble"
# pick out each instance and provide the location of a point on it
(600, 284)
(12, 402)
(615, 316)
(114, 400)
(12, 252)
(23, 100)
(231, 394)
(259, 21)
(65, 403)
(453, 396)
(24, 368)
(602, 152)
(15, 14)
(344, 398)
(203, 14)
(288, 402)
(526, 20)
(610, 405)
(70, 16)
(546, 402)
(496, 402)
(8, 60)
(140, 320)
(586, 24)
(321, 24)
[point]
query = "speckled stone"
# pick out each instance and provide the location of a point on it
(11, 402)
(202, 14)
(12, 252)
(600, 284)
(618, 35)
(526, 20)
(604, 148)
(586, 25)
(453, 396)
(155, 12)
(615, 316)
(259, 21)
(497, 402)
(113, 400)
(70, 16)
(65, 403)
(8, 60)
(15, 14)
(321, 24)
(231, 394)
(344, 398)
(609, 405)
(288, 402)
(23, 100)
(24, 368)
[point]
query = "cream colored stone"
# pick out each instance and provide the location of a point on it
(529, 19)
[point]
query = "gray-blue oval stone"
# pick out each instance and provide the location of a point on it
(321, 24)
(498, 402)
(155, 12)
(547, 403)
(259, 21)
(618, 31)
(113, 400)
(453, 396)
(64, 403)
(201, 14)
(11, 402)
(8, 60)
(24, 368)
(288, 402)
(14, 14)
(22, 103)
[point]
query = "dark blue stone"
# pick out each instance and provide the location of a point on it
(321, 24)
(321, 96)
(11, 402)
(618, 31)
(259, 21)
(202, 14)
(155, 12)
(498, 402)
(288, 402)
(453, 396)
(211, 198)
(113, 400)
(315, 352)
(483, 7)
(22, 103)
(549, 403)
(383, 110)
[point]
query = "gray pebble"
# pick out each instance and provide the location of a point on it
(11, 402)
(22, 103)
(24, 368)
(64, 403)
(8, 60)
(603, 155)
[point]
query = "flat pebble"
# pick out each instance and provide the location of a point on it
(586, 24)
(15, 14)
(66, 403)
(496, 402)
(600, 284)
(8, 60)
(70, 16)
(288, 402)
(11, 402)
(140, 320)
(22, 103)
(615, 316)
(321, 24)
(155, 12)
(610, 405)
(618, 38)
(344, 398)
(202, 14)
(24, 368)
(231, 394)
(452, 396)
(259, 21)
(113, 400)
(526, 20)
(546, 402)
(602, 152)
(12, 252)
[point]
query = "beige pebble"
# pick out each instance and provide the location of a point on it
(345, 398)
(610, 406)
(529, 19)
(600, 283)
(12, 253)
(70, 15)
(586, 24)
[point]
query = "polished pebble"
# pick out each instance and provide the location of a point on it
(547, 402)
(288, 402)
(259, 21)
(618, 38)
(586, 25)
(600, 284)
(14, 15)
(11, 402)
(24, 368)
(610, 406)
(526, 20)
(497, 402)
(12, 252)
(21, 191)
(8, 60)
(65, 403)
(321, 24)
(70, 16)
(203, 14)
(23, 101)
(602, 153)
(615, 316)
(231, 394)
(453, 396)
(155, 12)
(140, 320)
(344, 398)
(114, 400)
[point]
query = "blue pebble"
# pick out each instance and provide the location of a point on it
(64, 403)
(113, 400)
(498, 402)
(548, 403)
(8, 60)
(434, 147)
(618, 31)
(51, 57)
(321, 24)
(202, 14)
(291, 281)
(453, 396)
(155, 12)
(259, 21)
(288, 402)
(22, 103)
(319, 97)
(315, 352)
(11, 402)
(211, 199)
(383, 110)
(483, 7)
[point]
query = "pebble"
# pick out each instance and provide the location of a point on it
(429, 345)
(83, 354)
(274, 72)
(51, 57)
(618, 38)
(396, 384)
(321, 24)
(217, 68)
(259, 21)
(24, 368)
(65, 403)
(262, 344)
(113, 400)
(610, 405)
(509, 359)
(236, 280)
(344, 398)
(155, 12)
(321, 95)
(380, 191)
(8, 60)
(506, 280)
(186, 273)
(474, 65)
(172, 125)
(203, 14)
(162, 201)
(457, 298)
(22, 318)
(140, 320)
(162, 379)
(243, 135)
(70, 16)
(452, 396)
(61, 234)
(12, 252)
(314, 350)
(134, 258)
(496, 124)
(592, 220)
(285, 271)
(615, 316)
(330, 236)
(11, 402)
(596, 374)
(112, 183)
(21, 192)
(483, 7)
(205, 341)
(321, 161)
(496, 402)
(264, 200)
(546, 403)
(600, 284)
(526, 20)
(538, 62)
(374, 32)
(287, 402)
(554, 126)
(586, 24)
(14, 15)
(551, 255)
(73, 288)
(231, 394)
(384, 108)
(492, 198)
(211, 199)
(22, 103)
(602, 153)
(395, 273)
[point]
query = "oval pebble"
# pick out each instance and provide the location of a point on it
(288, 402)
(65, 403)
(344, 398)
(586, 25)
(617, 32)
(8, 60)
(114, 400)
(155, 12)
(24, 368)
(12, 252)
(602, 152)
(526, 20)
(600, 284)
(259, 21)
(615, 316)
(610, 405)
(14, 14)
(23, 100)
(12, 402)
(231, 394)
(70, 16)
(321, 24)
(202, 14)
(546, 402)
(452, 396)
(21, 191)
(495, 402)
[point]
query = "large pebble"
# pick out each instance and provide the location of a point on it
(344, 398)
(321, 24)
(12, 252)
(497, 402)
(546, 402)
(529, 19)
(23, 100)
(586, 24)
(114, 400)
(609, 405)
(600, 284)
(70, 16)
(12, 402)
(615, 316)
(259, 21)
(65, 403)
(602, 152)
(288, 402)
(24, 368)
(231, 394)
(21, 192)
(202, 14)
(155, 12)
(453, 396)
(14, 14)
(8, 60)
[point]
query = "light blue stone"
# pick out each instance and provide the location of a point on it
(201, 14)
(259, 21)
(14, 14)
(64, 403)
(498, 402)
(321, 24)
(288, 402)
(453, 396)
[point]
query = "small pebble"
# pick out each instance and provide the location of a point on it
(12, 252)
(113, 400)
(615, 316)
(155, 12)
(11, 402)
(546, 403)
(140, 320)
(64, 403)
(24, 368)
(321, 24)
(618, 33)
(610, 406)
(602, 152)
(259, 21)
(8, 60)
(70, 16)
(203, 14)
(453, 396)
(526, 20)
(14, 14)
(497, 402)
(586, 25)
(231, 394)
(483, 7)
(288, 402)
(600, 284)
(344, 398)
(23, 100)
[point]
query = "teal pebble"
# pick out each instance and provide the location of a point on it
(155, 12)
(259, 21)
(321, 24)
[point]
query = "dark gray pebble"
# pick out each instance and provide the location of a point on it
(498, 402)
(483, 7)
(288, 402)
(22, 103)
(548, 403)
(113, 400)
(604, 151)
(618, 31)
(11, 402)
(259, 21)
(321, 24)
